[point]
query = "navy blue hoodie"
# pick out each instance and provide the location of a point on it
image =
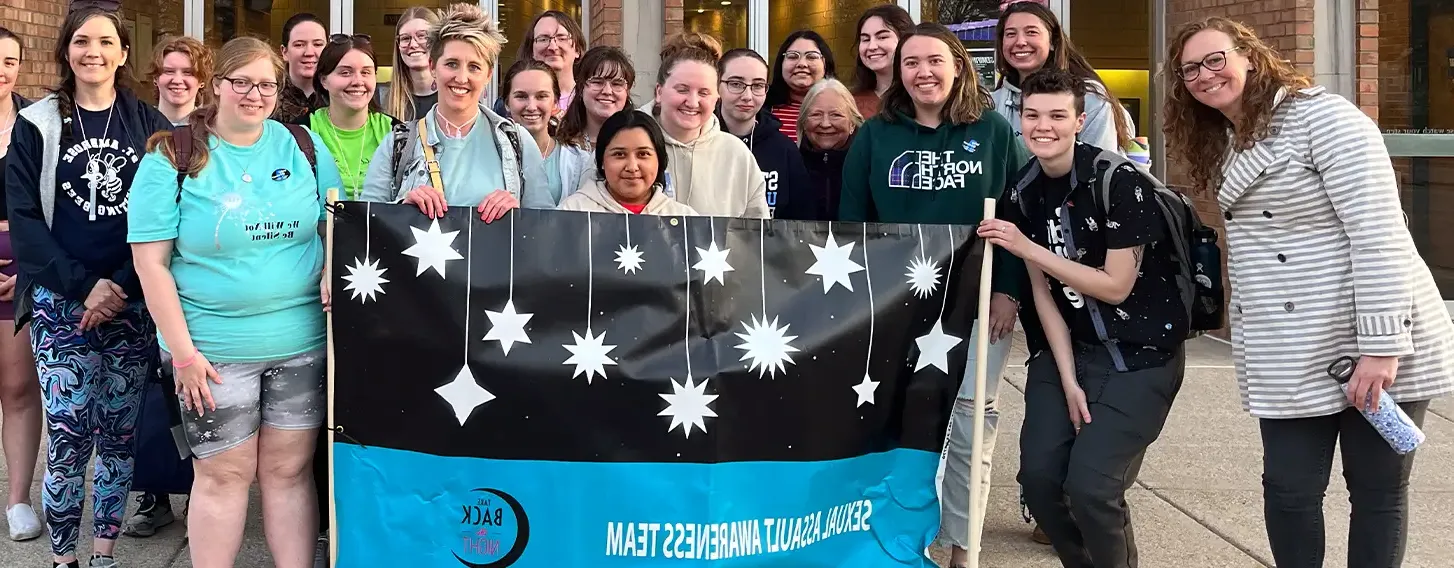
(778, 158)
(816, 200)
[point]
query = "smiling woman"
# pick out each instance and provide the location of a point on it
(351, 125)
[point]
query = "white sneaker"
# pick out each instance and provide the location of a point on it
(24, 525)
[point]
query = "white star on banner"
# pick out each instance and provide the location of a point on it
(687, 406)
(366, 279)
(464, 394)
(832, 263)
(934, 348)
(507, 326)
(628, 259)
(767, 345)
(589, 355)
(865, 390)
(923, 277)
(713, 263)
(433, 248)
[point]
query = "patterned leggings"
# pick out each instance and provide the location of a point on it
(92, 383)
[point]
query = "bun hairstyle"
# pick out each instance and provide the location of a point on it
(468, 23)
(688, 46)
(603, 61)
(235, 54)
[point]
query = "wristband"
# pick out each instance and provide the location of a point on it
(189, 362)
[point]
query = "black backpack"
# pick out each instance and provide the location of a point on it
(1193, 244)
(182, 137)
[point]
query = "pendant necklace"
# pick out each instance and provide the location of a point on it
(458, 128)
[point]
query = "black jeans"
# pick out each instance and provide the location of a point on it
(1092, 469)
(1297, 459)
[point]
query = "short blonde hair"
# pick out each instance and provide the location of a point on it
(470, 24)
(833, 86)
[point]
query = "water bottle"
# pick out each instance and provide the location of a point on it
(1388, 419)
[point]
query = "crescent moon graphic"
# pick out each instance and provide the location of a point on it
(522, 533)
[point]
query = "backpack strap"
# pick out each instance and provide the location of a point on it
(305, 143)
(400, 141)
(1093, 306)
(182, 154)
(430, 162)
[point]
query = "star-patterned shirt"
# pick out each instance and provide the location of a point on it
(1150, 323)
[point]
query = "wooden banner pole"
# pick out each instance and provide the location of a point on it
(328, 279)
(981, 356)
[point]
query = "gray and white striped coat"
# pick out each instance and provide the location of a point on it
(1322, 264)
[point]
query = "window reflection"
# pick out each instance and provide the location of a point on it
(227, 19)
(726, 21)
(148, 21)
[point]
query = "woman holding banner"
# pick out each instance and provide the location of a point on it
(937, 107)
(224, 225)
(461, 154)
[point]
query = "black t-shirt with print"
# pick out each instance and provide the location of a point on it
(1150, 324)
(93, 175)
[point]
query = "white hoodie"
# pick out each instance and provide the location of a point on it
(594, 197)
(716, 174)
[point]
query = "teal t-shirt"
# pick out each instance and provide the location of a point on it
(470, 166)
(552, 174)
(246, 256)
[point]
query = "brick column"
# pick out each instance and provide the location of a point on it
(37, 22)
(672, 17)
(1367, 76)
(605, 22)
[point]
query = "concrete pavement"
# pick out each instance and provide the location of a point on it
(1198, 501)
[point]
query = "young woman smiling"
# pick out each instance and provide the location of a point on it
(180, 68)
(937, 108)
(802, 59)
(531, 93)
(416, 90)
(603, 88)
(352, 125)
(239, 310)
(69, 178)
(1323, 267)
(304, 36)
(19, 388)
(1031, 37)
(711, 171)
(633, 162)
(879, 30)
(743, 77)
(483, 160)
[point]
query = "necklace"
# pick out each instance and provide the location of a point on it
(356, 166)
(459, 129)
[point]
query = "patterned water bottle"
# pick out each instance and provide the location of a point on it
(1388, 419)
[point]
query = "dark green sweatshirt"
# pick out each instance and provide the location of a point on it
(903, 172)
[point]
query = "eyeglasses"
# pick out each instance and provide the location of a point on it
(599, 84)
(420, 38)
(736, 87)
(544, 40)
(345, 38)
(1214, 61)
(794, 56)
(244, 86)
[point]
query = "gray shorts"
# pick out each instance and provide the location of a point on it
(285, 394)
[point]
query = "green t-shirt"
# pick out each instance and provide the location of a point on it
(352, 149)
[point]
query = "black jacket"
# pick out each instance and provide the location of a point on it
(776, 156)
(816, 200)
(41, 260)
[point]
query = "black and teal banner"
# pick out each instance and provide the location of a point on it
(561, 389)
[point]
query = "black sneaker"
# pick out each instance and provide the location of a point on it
(153, 512)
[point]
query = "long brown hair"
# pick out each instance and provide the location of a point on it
(967, 99)
(602, 61)
(1063, 56)
(66, 91)
(235, 54)
(401, 88)
(1196, 134)
(895, 18)
(527, 47)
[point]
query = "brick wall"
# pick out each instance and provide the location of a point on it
(37, 22)
(1286, 25)
(605, 22)
(672, 17)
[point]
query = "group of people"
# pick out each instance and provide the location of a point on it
(182, 243)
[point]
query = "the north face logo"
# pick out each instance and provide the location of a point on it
(931, 171)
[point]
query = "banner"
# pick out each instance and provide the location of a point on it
(560, 389)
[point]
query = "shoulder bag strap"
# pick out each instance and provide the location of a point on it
(1091, 304)
(429, 162)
